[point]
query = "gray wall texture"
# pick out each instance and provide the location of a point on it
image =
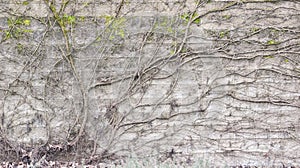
(169, 79)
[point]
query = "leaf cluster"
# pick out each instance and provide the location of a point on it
(194, 17)
(17, 27)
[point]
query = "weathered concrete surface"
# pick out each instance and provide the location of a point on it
(230, 96)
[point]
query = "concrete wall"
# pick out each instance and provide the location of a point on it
(229, 95)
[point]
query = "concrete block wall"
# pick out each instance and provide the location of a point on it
(230, 96)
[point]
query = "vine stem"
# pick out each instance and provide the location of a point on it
(67, 55)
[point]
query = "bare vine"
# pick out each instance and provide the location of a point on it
(97, 78)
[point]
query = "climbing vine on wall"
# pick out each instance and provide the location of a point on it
(106, 79)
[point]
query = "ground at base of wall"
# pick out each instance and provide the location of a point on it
(126, 162)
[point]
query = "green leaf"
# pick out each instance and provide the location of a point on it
(227, 17)
(271, 42)
(19, 47)
(19, 21)
(172, 52)
(269, 56)
(17, 33)
(121, 33)
(197, 21)
(27, 31)
(82, 18)
(185, 16)
(86, 4)
(108, 19)
(98, 39)
(7, 34)
(71, 19)
(223, 34)
(170, 29)
(26, 22)
(9, 22)
(111, 37)
(255, 29)
(25, 3)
